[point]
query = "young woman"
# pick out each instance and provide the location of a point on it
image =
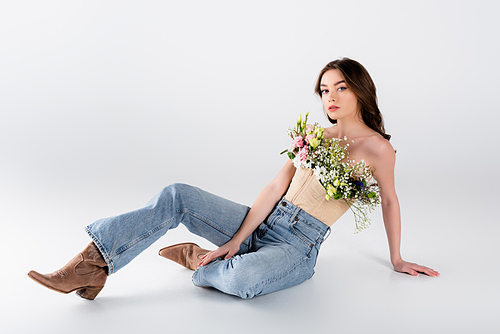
(274, 244)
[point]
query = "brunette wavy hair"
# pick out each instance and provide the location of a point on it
(359, 81)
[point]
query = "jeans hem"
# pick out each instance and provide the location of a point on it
(101, 250)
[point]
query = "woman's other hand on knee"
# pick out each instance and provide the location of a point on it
(225, 251)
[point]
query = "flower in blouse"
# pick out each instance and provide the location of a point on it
(298, 141)
(342, 178)
(359, 184)
(303, 154)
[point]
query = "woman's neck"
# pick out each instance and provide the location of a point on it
(352, 128)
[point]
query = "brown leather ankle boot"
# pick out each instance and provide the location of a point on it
(86, 273)
(186, 254)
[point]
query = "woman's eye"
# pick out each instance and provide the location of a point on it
(324, 91)
(340, 89)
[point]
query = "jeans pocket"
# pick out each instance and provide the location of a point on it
(308, 234)
(261, 231)
(273, 218)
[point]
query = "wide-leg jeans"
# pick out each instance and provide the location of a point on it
(279, 254)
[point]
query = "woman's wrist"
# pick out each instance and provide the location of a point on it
(395, 260)
(237, 238)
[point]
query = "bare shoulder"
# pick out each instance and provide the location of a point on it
(376, 151)
(383, 159)
(379, 146)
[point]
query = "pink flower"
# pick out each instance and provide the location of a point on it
(298, 141)
(303, 154)
(309, 137)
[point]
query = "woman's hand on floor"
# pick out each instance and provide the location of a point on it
(226, 251)
(413, 269)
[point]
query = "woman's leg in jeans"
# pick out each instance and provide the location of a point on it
(271, 268)
(120, 239)
(283, 254)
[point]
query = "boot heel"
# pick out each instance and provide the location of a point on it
(89, 293)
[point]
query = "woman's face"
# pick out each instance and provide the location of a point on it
(338, 100)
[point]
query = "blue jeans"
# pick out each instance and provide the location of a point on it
(279, 254)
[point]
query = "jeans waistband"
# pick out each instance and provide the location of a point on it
(295, 211)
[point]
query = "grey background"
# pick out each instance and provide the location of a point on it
(102, 103)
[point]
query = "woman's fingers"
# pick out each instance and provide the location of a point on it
(428, 271)
(210, 256)
(205, 258)
(411, 269)
(425, 270)
(414, 269)
(226, 251)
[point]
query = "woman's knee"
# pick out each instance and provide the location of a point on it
(176, 190)
(170, 196)
(240, 287)
(248, 282)
(241, 280)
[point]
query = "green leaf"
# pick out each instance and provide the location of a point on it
(291, 155)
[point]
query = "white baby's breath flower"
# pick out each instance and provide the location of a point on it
(296, 162)
(317, 172)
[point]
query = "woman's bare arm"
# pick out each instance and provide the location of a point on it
(383, 160)
(263, 205)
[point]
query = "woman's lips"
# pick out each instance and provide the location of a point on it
(333, 108)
